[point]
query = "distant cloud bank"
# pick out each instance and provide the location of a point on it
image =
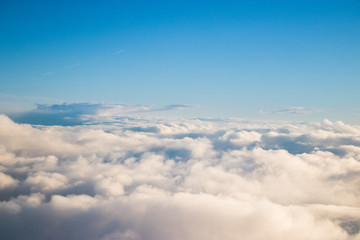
(145, 178)
(70, 114)
(292, 110)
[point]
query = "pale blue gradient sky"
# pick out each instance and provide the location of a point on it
(227, 58)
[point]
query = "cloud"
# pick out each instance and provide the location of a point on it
(75, 65)
(10, 97)
(48, 73)
(120, 51)
(70, 114)
(45, 181)
(7, 181)
(156, 179)
(293, 110)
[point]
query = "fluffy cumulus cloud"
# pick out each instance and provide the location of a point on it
(197, 179)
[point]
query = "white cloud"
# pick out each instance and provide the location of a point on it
(44, 181)
(72, 202)
(151, 178)
(7, 181)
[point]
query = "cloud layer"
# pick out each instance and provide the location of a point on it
(160, 179)
(70, 114)
(293, 110)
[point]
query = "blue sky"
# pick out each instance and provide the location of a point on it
(248, 59)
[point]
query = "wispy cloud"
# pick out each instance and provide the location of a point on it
(292, 110)
(75, 65)
(6, 96)
(120, 51)
(48, 73)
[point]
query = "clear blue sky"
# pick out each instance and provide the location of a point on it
(231, 58)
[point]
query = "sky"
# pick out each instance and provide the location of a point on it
(173, 120)
(247, 59)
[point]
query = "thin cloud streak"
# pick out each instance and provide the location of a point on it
(292, 110)
(120, 51)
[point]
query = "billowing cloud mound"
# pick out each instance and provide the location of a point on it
(196, 179)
